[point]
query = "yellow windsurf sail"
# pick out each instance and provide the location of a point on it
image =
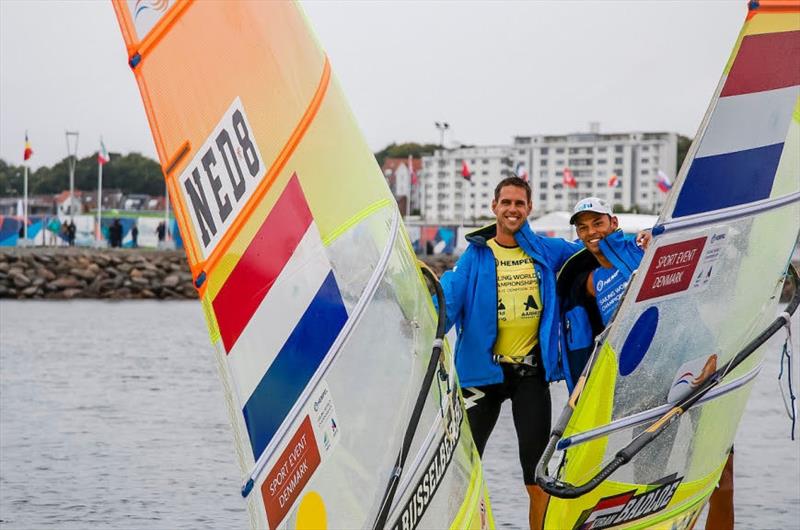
(650, 424)
(319, 314)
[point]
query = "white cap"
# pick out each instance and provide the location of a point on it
(590, 204)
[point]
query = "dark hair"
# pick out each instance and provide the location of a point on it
(512, 181)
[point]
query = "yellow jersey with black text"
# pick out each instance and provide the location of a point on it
(519, 304)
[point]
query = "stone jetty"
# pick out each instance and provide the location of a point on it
(67, 273)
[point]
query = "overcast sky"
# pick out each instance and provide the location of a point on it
(491, 69)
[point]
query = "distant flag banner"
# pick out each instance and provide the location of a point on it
(569, 178)
(28, 150)
(663, 182)
(277, 336)
(521, 171)
(414, 177)
(102, 155)
(614, 182)
(465, 172)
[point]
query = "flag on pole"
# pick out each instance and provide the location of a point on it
(663, 182)
(102, 155)
(28, 151)
(614, 182)
(465, 172)
(569, 178)
(414, 177)
(521, 171)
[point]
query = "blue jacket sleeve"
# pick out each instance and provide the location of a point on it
(454, 284)
(560, 251)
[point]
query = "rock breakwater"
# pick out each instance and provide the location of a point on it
(67, 273)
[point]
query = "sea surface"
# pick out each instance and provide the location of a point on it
(112, 416)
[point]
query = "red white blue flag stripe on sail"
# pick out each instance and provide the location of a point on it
(744, 140)
(278, 314)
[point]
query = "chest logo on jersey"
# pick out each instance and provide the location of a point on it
(222, 176)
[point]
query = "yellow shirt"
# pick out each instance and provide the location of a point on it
(519, 304)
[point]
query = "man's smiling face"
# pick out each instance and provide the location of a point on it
(592, 227)
(511, 208)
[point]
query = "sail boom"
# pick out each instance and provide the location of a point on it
(651, 414)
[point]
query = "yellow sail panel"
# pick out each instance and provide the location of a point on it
(706, 288)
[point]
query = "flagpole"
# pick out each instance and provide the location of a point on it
(99, 233)
(25, 205)
(166, 213)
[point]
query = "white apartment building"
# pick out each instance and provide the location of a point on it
(634, 157)
(447, 197)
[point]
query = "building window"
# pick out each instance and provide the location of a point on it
(544, 185)
(542, 196)
(618, 149)
(543, 151)
(618, 160)
(484, 195)
(543, 173)
(559, 162)
(522, 151)
(645, 172)
(602, 161)
(485, 161)
(645, 160)
(645, 184)
(601, 149)
(543, 161)
(617, 194)
(559, 150)
(557, 196)
(645, 148)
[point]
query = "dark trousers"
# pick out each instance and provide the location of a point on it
(530, 407)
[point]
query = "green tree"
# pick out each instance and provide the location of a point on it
(394, 150)
(131, 173)
(683, 148)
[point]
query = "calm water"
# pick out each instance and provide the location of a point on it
(111, 415)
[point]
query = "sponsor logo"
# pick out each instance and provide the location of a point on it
(423, 492)
(672, 269)
(222, 176)
(602, 283)
(142, 6)
(626, 507)
(291, 473)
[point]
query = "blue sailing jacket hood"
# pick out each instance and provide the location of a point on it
(470, 291)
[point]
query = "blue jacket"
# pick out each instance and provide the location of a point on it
(580, 319)
(470, 291)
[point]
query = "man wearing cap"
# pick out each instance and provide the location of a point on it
(501, 298)
(591, 284)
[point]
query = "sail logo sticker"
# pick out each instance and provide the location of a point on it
(311, 444)
(422, 494)
(627, 507)
(672, 269)
(291, 473)
(146, 14)
(221, 178)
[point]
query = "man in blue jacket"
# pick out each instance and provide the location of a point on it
(591, 284)
(501, 296)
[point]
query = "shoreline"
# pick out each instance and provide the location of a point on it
(68, 273)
